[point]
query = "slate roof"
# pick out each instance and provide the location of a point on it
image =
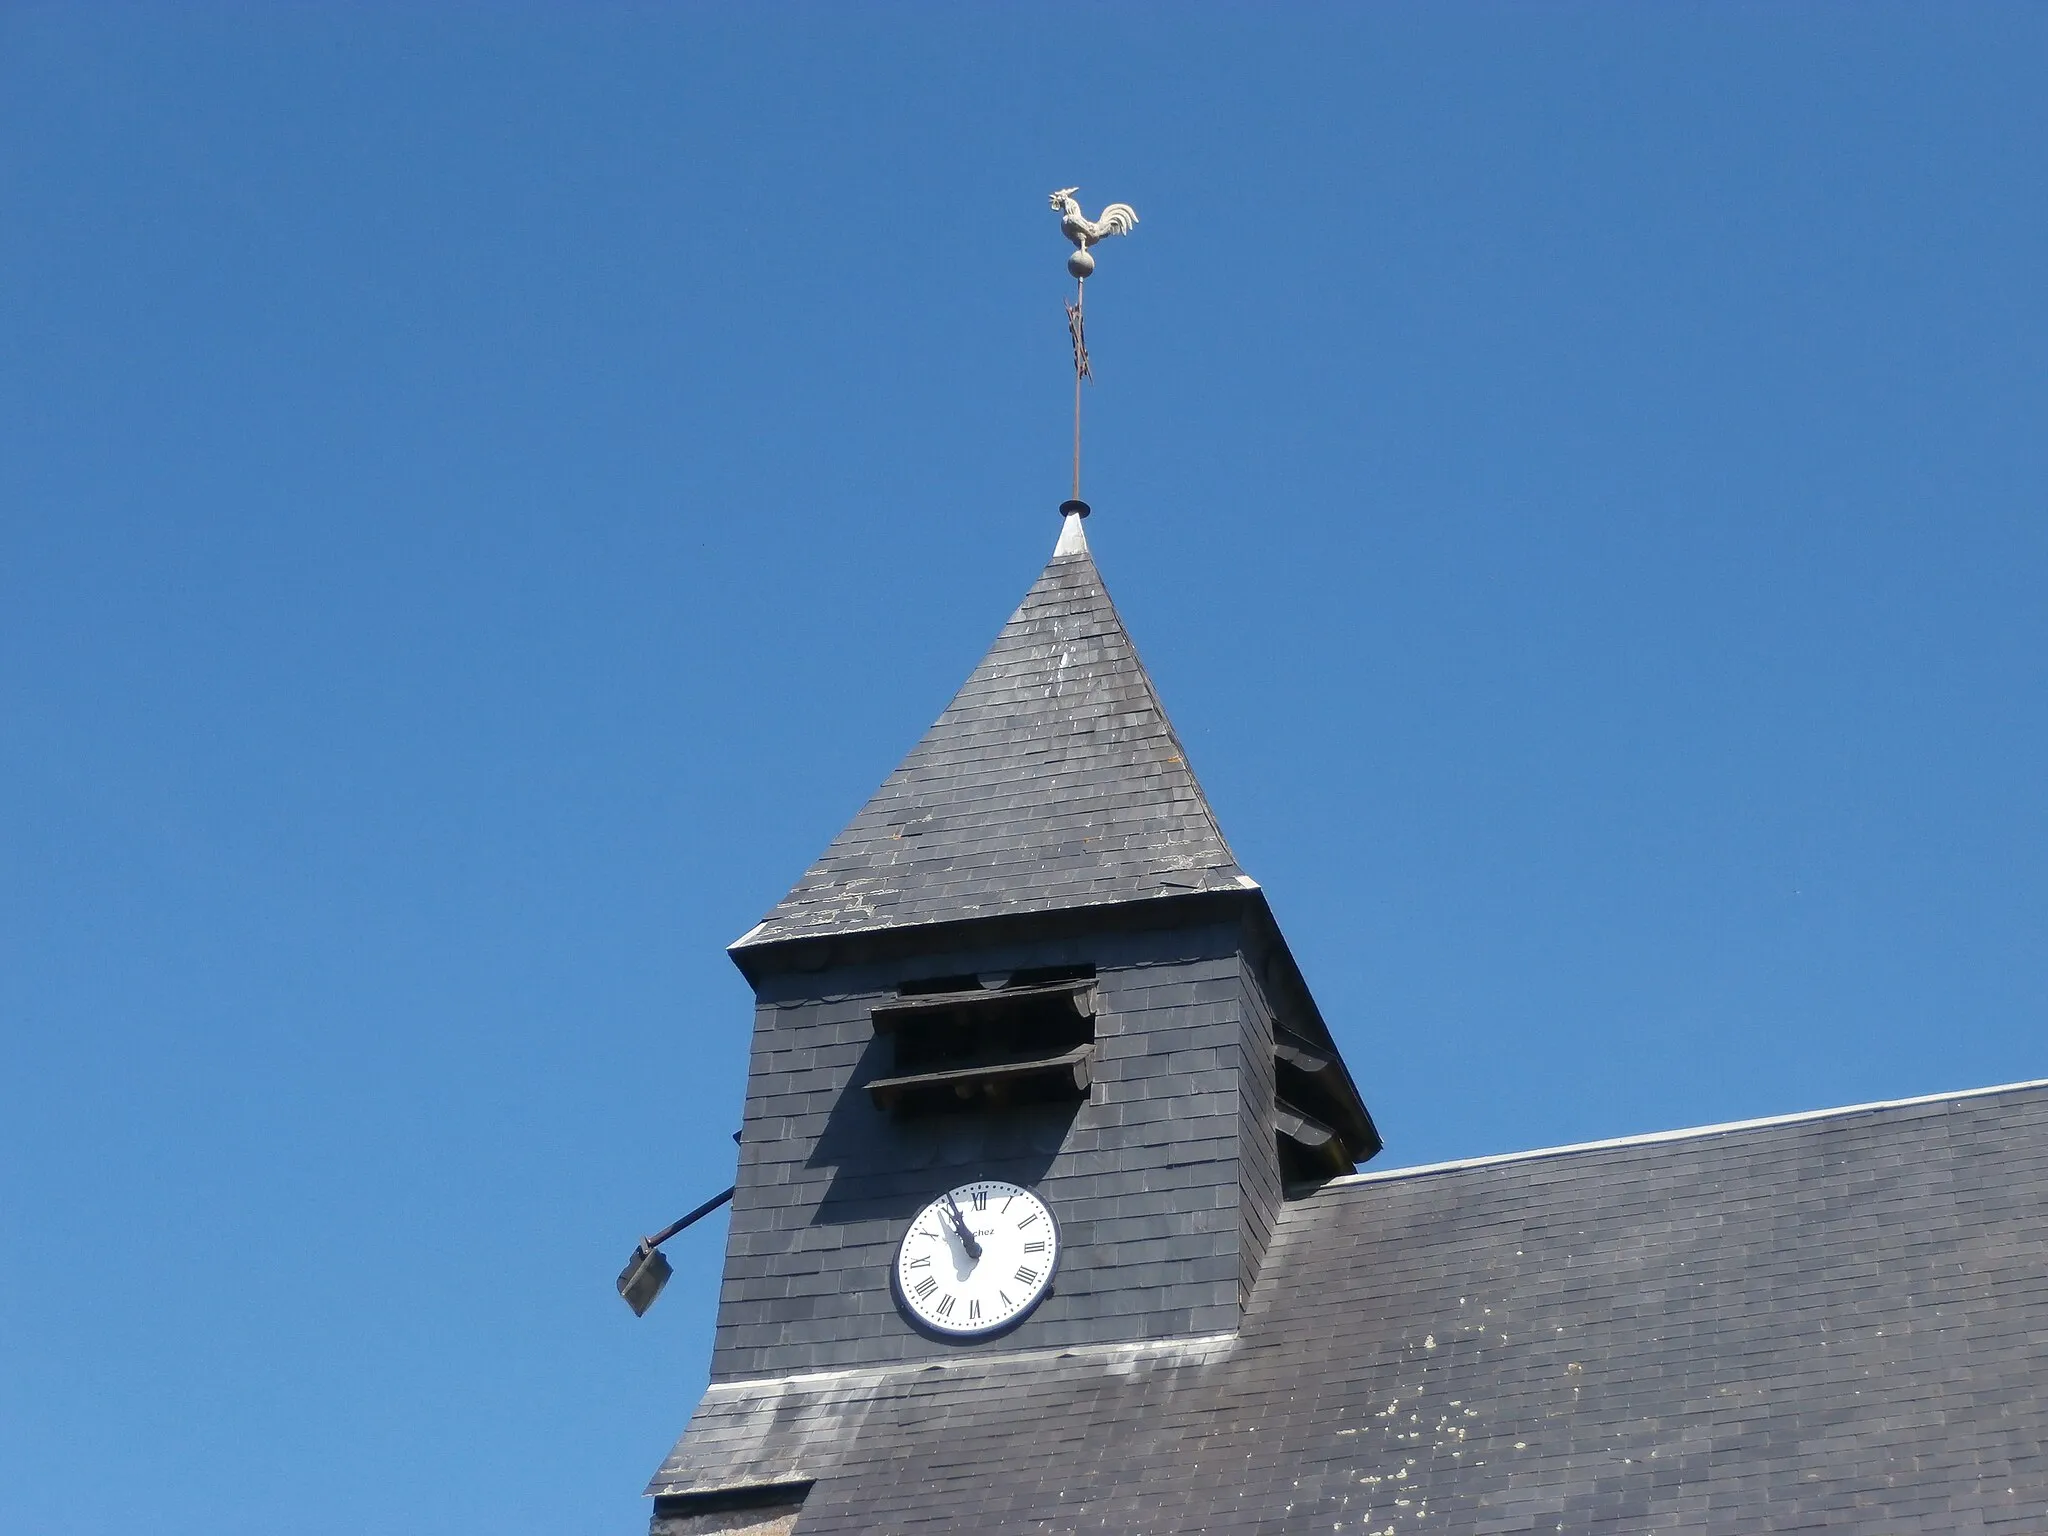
(1053, 780)
(1830, 1322)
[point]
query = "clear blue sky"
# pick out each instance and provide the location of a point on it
(487, 491)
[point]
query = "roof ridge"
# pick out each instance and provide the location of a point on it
(1688, 1133)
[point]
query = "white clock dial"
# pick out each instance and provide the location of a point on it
(977, 1258)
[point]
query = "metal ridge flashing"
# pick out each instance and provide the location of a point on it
(1690, 1133)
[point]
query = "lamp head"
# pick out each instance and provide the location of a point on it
(643, 1277)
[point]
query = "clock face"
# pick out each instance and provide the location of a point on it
(977, 1258)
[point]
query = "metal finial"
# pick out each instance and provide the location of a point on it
(1117, 219)
(1073, 537)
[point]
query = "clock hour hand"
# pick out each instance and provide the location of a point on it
(960, 1225)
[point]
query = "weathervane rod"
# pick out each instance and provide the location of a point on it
(1080, 372)
(1117, 219)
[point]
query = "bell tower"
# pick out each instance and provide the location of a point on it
(1030, 959)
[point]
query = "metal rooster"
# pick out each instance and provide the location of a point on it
(1117, 219)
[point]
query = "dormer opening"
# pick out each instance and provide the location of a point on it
(988, 1041)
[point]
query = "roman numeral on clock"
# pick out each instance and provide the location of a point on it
(1026, 1276)
(981, 1199)
(925, 1287)
(945, 1306)
(1038, 1247)
(973, 1310)
(924, 1262)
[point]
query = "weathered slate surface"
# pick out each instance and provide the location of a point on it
(1838, 1323)
(1159, 1178)
(1053, 780)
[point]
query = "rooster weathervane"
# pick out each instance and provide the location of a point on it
(1117, 219)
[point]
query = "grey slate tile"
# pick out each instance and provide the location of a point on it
(1053, 779)
(1780, 1328)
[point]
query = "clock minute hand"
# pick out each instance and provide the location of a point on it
(960, 1225)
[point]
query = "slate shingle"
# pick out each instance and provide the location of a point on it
(1053, 780)
(1836, 1323)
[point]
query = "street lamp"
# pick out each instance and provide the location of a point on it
(648, 1270)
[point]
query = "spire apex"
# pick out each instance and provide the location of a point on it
(1073, 537)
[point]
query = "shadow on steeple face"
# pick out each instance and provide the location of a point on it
(885, 1167)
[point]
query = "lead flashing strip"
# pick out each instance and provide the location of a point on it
(1205, 1345)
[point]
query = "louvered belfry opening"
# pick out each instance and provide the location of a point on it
(1318, 1123)
(988, 1042)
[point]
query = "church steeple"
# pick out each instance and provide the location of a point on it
(1028, 975)
(1032, 1065)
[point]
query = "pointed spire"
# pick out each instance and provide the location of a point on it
(1053, 780)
